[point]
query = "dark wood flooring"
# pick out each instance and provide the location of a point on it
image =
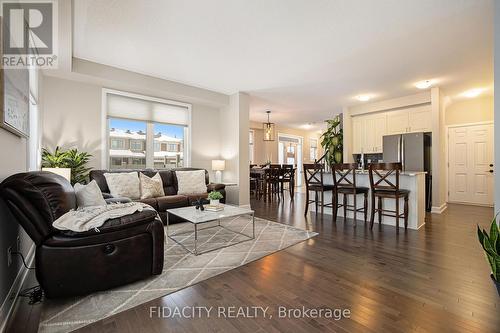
(432, 280)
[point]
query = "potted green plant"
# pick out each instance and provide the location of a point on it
(332, 141)
(491, 247)
(72, 158)
(215, 197)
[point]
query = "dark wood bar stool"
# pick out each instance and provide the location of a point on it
(345, 186)
(313, 174)
(383, 188)
(287, 177)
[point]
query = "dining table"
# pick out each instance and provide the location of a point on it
(261, 174)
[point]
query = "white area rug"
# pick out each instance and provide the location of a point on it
(181, 269)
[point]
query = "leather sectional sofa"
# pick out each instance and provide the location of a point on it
(171, 198)
(122, 251)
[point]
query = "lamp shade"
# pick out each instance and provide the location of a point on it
(65, 172)
(218, 165)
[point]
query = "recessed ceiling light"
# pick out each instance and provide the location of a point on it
(472, 93)
(424, 84)
(307, 126)
(363, 98)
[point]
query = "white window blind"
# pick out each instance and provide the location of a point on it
(139, 109)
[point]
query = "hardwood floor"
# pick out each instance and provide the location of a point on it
(432, 280)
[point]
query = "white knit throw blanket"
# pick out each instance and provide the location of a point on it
(92, 217)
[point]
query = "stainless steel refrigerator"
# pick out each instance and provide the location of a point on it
(413, 150)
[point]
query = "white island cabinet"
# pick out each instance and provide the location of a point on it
(412, 181)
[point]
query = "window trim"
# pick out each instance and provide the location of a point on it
(105, 164)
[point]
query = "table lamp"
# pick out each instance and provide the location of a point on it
(218, 166)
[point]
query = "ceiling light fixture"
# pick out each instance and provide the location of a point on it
(424, 84)
(363, 98)
(268, 129)
(472, 93)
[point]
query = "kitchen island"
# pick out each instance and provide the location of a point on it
(412, 181)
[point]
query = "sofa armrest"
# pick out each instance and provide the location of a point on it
(215, 187)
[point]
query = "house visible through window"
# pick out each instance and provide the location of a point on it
(156, 138)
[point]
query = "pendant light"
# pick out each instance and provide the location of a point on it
(268, 129)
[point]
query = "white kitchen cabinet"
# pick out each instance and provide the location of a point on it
(358, 135)
(397, 122)
(420, 120)
(415, 119)
(368, 132)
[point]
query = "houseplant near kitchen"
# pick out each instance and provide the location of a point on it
(491, 247)
(72, 158)
(332, 141)
(214, 197)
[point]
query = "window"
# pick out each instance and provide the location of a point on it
(313, 149)
(170, 138)
(122, 131)
(116, 143)
(137, 144)
(251, 149)
(146, 132)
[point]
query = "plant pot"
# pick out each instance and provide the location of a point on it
(497, 284)
(214, 202)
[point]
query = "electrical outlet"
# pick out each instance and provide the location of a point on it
(9, 256)
(18, 244)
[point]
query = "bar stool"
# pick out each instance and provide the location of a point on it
(313, 174)
(383, 188)
(346, 186)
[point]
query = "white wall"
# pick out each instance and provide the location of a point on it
(16, 159)
(74, 119)
(474, 110)
(234, 147)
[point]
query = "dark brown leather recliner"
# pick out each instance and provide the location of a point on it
(123, 250)
(171, 199)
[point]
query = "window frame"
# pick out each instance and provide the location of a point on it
(105, 128)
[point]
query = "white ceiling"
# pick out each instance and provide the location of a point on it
(302, 59)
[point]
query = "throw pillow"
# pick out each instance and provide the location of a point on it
(151, 187)
(124, 184)
(191, 182)
(89, 195)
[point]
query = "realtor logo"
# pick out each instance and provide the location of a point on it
(29, 34)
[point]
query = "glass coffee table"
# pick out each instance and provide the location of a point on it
(197, 218)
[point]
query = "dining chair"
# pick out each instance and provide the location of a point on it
(344, 179)
(382, 187)
(313, 174)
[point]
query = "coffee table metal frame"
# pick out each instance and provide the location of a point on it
(196, 230)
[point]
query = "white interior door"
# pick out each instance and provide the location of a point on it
(471, 164)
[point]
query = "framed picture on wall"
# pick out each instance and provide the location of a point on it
(14, 99)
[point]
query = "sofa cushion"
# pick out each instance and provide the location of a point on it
(89, 195)
(191, 182)
(151, 187)
(124, 184)
(172, 201)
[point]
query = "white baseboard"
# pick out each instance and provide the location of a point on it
(10, 299)
(440, 209)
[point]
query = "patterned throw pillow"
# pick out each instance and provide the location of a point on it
(151, 187)
(191, 182)
(124, 184)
